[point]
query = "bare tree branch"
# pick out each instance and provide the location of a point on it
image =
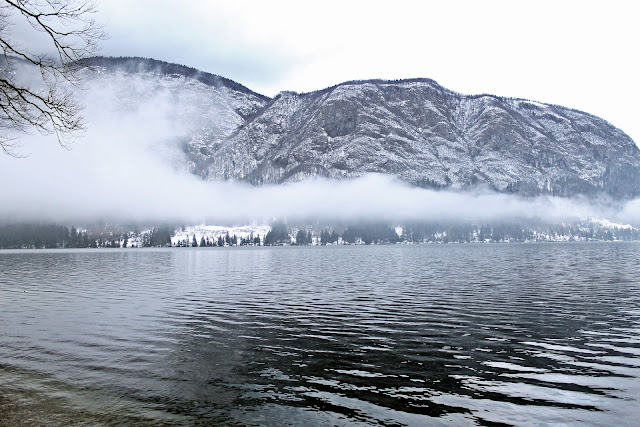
(50, 108)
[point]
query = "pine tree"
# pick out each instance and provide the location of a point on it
(277, 235)
(73, 238)
(65, 237)
(301, 238)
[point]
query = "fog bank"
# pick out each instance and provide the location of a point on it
(129, 167)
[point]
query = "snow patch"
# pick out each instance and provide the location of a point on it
(213, 232)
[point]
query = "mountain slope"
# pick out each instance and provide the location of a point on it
(431, 137)
(416, 130)
(207, 107)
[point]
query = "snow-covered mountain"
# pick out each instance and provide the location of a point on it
(415, 130)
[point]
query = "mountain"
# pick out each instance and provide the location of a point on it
(415, 130)
(211, 107)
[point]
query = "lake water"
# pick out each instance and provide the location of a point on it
(391, 335)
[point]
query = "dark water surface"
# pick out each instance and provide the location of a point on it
(391, 335)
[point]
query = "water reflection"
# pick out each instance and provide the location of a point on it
(453, 334)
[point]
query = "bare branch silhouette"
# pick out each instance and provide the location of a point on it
(49, 106)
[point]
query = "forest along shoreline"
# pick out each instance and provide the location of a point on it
(58, 236)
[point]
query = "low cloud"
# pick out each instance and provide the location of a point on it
(129, 167)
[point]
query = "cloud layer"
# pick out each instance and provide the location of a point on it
(128, 167)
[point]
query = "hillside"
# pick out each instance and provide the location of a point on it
(415, 130)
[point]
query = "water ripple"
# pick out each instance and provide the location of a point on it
(409, 335)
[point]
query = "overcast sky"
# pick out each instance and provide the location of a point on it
(580, 54)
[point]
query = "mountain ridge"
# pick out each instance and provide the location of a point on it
(413, 129)
(187, 71)
(136, 64)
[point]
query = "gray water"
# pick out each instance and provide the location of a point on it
(391, 335)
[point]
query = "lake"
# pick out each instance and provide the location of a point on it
(344, 335)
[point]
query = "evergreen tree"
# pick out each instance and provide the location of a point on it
(278, 234)
(348, 236)
(66, 237)
(301, 237)
(73, 238)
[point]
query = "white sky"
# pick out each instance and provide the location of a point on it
(580, 54)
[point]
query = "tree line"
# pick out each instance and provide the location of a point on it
(42, 235)
(220, 241)
(16, 236)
